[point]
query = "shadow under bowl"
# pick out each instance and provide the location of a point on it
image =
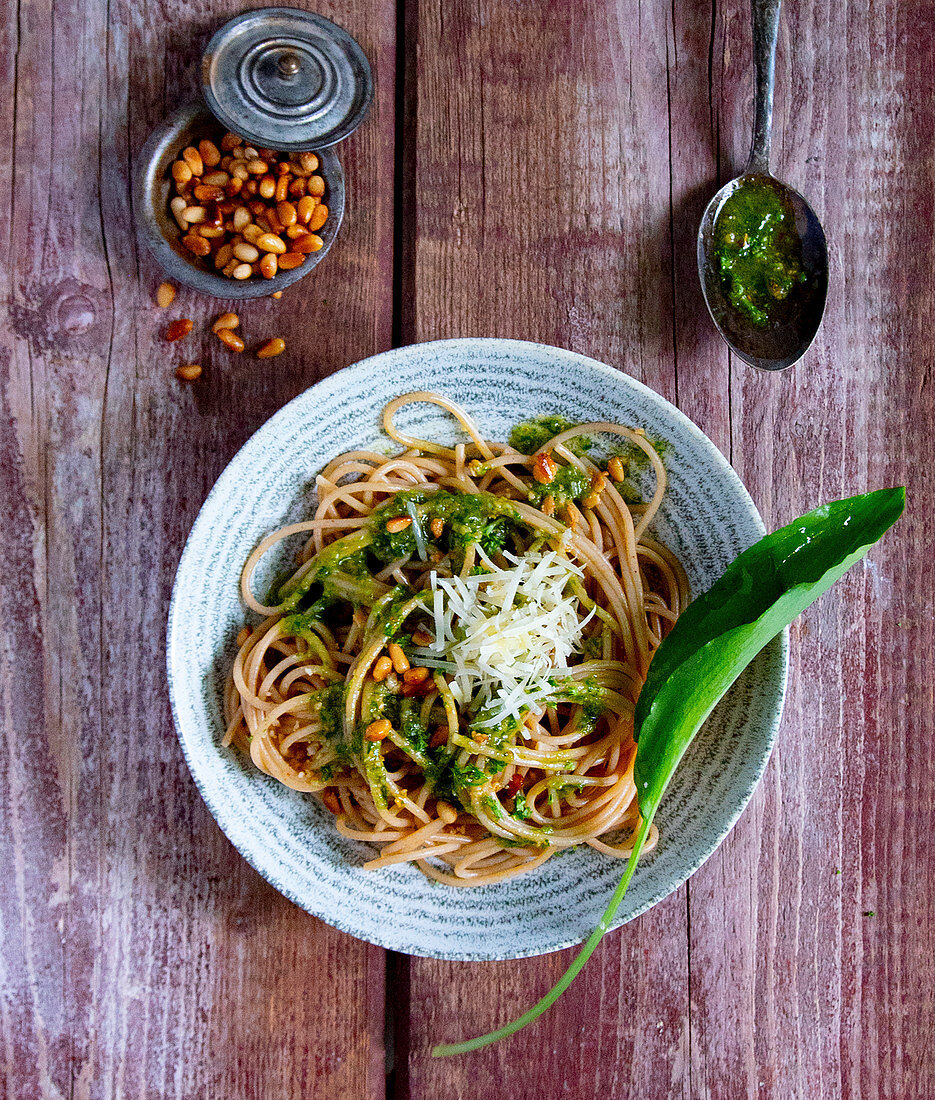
(152, 192)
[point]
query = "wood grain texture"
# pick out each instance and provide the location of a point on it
(142, 956)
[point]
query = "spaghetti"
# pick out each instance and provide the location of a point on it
(453, 665)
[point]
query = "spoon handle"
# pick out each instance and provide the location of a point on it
(765, 33)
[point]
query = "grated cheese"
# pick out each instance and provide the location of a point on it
(506, 631)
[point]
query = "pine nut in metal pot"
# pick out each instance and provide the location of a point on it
(291, 260)
(269, 265)
(228, 336)
(276, 346)
(241, 218)
(267, 187)
(318, 218)
(239, 154)
(230, 141)
(251, 233)
(212, 232)
(197, 244)
(257, 167)
(308, 161)
(283, 167)
(210, 154)
(181, 173)
(225, 320)
(215, 179)
(233, 188)
(286, 213)
(282, 187)
(295, 231)
(246, 252)
(269, 155)
(229, 270)
(297, 188)
(305, 208)
(242, 271)
(249, 187)
(239, 172)
(189, 372)
(178, 207)
(165, 295)
(306, 243)
(179, 328)
(263, 223)
(250, 153)
(316, 186)
(273, 221)
(269, 242)
(192, 158)
(204, 192)
(223, 256)
(194, 215)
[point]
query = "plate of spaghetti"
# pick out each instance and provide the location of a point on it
(409, 629)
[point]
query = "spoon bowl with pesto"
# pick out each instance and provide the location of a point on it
(762, 254)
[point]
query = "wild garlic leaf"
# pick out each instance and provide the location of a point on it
(712, 642)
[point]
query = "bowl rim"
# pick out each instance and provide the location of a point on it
(223, 813)
(152, 164)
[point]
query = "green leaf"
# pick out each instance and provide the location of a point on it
(712, 642)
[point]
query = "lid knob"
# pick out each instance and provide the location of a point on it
(286, 79)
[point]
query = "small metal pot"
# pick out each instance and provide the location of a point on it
(152, 191)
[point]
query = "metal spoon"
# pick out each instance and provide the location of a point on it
(779, 345)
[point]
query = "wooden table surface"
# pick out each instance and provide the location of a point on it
(528, 169)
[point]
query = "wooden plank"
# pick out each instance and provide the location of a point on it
(541, 204)
(823, 986)
(141, 955)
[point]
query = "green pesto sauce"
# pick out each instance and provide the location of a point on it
(758, 252)
(529, 436)
(468, 518)
(569, 484)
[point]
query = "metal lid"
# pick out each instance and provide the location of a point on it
(286, 79)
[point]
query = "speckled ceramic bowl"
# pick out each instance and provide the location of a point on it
(707, 519)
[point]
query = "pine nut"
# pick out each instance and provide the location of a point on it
(276, 346)
(165, 295)
(223, 256)
(282, 185)
(381, 669)
(548, 506)
(291, 260)
(308, 161)
(544, 469)
(216, 179)
(212, 232)
(446, 813)
(257, 167)
(305, 208)
(318, 218)
(233, 188)
(210, 154)
(192, 158)
(308, 242)
(422, 637)
(591, 500)
(228, 336)
(225, 320)
(276, 294)
(246, 252)
(571, 517)
(241, 218)
(197, 244)
(415, 675)
(267, 187)
(297, 188)
(316, 185)
(598, 482)
(242, 271)
(272, 220)
(229, 269)
(399, 659)
(437, 526)
(239, 172)
(194, 215)
(179, 328)
(230, 141)
(181, 173)
(616, 469)
(269, 242)
(189, 372)
(376, 731)
(251, 233)
(400, 523)
(178, 207)
(203, 192)
(295, 231)
(269, 265)
(286, 213)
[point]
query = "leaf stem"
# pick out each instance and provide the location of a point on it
(587, 950)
